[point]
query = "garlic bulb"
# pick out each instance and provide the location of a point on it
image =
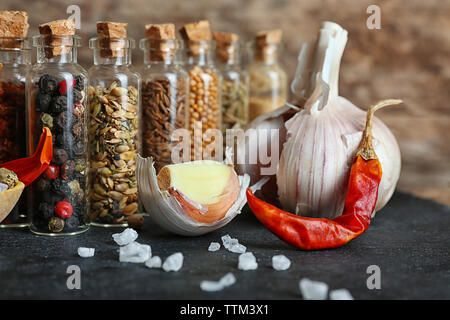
(322, 138)
(175, 213)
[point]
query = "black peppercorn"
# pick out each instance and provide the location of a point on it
(61, 188)
(77, 96)
(79, 83)
(64, 139)
(59, 156)
(43, 102)
(72, 222)
(48, 84)
(59, 104)
(46, 210)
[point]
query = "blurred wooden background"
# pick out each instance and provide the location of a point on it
(408, 58)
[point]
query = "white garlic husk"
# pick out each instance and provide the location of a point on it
(165, 210)
(322, 138)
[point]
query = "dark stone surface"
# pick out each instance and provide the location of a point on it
(409, 240)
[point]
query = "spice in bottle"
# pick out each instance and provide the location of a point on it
(15, 57)
(57, 98)
(164, 93)
(268, 81)
(113, 126)
(204, 91)
(235, 82)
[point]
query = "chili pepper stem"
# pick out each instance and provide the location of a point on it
(365, 149)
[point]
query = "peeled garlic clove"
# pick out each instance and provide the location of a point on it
(205, 189)
(166, 210)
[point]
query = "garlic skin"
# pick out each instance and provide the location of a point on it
(319, 152)
(322, 138)
(167, 212)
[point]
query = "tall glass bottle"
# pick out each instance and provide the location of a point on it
(57, 96)
(165, 92)
(114, 98)
(204, 99)
(235, 83)
(15, 57)
(268, 80)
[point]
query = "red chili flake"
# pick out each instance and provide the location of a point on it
(64, 85)
(52, 172)
(63, 209)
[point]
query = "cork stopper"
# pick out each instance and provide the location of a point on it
(161, 40)
(226, 46)
(196, 32)
(266, 43)
(13, 24)
(54, 32)
(110, 36)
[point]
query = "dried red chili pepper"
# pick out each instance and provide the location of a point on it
(28, 169)
(318, 233)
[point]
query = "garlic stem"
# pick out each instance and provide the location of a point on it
(365, 149)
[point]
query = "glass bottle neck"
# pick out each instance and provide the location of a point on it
(159, 57)
(267, 54)
(56, 54)
(15, 57)
(104, 56)
(199, 57)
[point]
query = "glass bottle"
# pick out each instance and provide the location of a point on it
(204, 100)
(113, 132)
(235, 88)
(165, 92)
(268, 80)
(15, 57)
(56, 98)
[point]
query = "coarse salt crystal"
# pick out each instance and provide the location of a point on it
(313, 290)
(173, 262)
(214, 246)
(127, 236)
(86, 252)
(247, 261)
(281, 262)
(238, 248)
(340, 294)
(211, 286)
(135, 252)
(233, 245)
(153, 262)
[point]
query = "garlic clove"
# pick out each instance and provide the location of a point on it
(205, 189)
(167, 212)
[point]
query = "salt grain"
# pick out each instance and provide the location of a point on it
(281, 262)
(340, 294)
(214, 246)
(173, 262)
(238, 248)
(135, 252)
(153, 262)
(86, 252)
(125, 237)
(313, 290)
(233, 245)
(247, 261)
(212, 286)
